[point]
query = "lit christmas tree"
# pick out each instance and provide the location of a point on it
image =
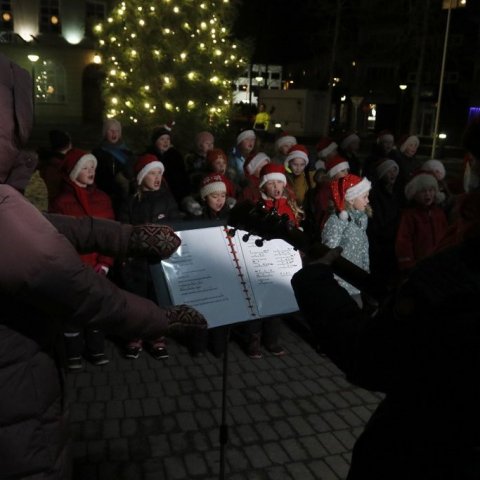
(170, 60)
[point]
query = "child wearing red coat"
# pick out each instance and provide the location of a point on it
(423, 224)
(79, 197)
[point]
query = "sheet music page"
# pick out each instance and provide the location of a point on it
(203, 273)
(269, 270)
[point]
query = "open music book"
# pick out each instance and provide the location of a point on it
(229, 280)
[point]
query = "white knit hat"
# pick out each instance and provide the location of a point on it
(244, 135)
(421, 181)
(435, 166)
(386, 165)
(349, 139)
(407, 140)
(284, 139)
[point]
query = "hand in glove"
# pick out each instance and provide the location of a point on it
(101, 269)
(184, 320)
(190, 205)
(152, 241)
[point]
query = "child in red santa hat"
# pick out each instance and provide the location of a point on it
(253, 166)
(423, 224)
(80, 197)
(282, 145)
(213, 193)
(217, 163)
(276, 195)
(152, 203)
(347, 226)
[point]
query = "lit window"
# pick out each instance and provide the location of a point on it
(50, 17)
(49, 82)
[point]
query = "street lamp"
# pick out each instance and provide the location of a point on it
(33, 58)
(402, 88)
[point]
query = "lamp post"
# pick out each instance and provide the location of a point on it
(356, 101)
(402, 88)
(33, 58)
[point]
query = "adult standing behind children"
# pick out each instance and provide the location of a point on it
(152, 203)
(349, 148)
(196, 161)
(245, 144)
(115, 162)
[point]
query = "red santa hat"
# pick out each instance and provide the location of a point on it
(284, 139)
(213, 183)
(385, 136)
(347, 189)
(422, 180)
(407, 139)
(272, 171)
(348, 139)
(244, 135)
(144, 164)
(297, 151)
(75, 159)
(325, 146)
(384, 166)
(336, 164)
(255, 161)
(435, 166)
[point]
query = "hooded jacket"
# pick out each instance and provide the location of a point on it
(43, 284)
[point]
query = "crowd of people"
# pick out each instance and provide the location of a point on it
(386, 211)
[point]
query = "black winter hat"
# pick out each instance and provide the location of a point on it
(59, 139)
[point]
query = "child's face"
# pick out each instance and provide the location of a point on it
(411, 149)
(86, 176)
(425, 197)
(246, 146)
(283, 149)
(391, 175)
(205, 146)
(360, 203)
(297, 166)
(340, 174)
(163, 143)
(274, 189)
(152, 180)
(219, 165)
(216, 200)
(113, 135)
(387, 144)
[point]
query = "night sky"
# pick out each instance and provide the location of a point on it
(282, 31)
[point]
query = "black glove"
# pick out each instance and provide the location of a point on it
(153, 241)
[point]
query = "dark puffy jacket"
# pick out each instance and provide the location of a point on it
(43, 283)
(423, 352)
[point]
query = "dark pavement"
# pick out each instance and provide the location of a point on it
(292, 417)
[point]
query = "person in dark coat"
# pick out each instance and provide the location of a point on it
(115, 163)
(44, 284)
(176, 175)
(407, 160)
(422, 350)
(386, 204)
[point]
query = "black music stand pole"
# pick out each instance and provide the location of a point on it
(223, 424)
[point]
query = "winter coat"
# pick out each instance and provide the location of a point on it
(382, 231)
(407, 166)
(43, 284)
(151, 207)
(114, 172)
(81, 202)
(50, 170)
(425, 358)
(351, 235)
(282, 206)
(419, 232)
(300, 185)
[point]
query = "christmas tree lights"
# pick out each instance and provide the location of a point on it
(169, 59)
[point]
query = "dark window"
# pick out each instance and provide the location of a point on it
(6, 19)
(95, 12)
(50, 17)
